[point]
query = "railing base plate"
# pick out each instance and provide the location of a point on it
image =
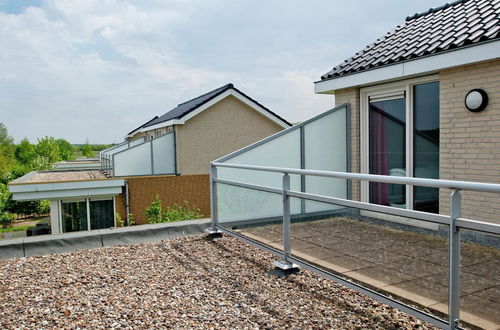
(283, 268)
(213, 233)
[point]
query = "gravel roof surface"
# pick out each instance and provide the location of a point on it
(181, 283)
(60, 176)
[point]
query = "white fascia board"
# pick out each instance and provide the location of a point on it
(62, 194)
(36, 187)
(215, 100)
(162, 124)
(425, 65)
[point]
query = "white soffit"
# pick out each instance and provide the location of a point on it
(425, 65)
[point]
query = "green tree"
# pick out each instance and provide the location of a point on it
(87, 150)
(7, 151)
(5, 138)
(48, 152)
(6, 218)
(25, 152)
(65, 149)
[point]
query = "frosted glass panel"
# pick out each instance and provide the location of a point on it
(164, 154)
(134, 161)
(325, 141)
(283, 151)
(136, 142)
(117, 149)
(237, 204)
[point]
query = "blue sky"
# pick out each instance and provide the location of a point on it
(95, 69)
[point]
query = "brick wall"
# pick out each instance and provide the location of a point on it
(351, 95)
(470, 142)
(225, 127)
(172, 189)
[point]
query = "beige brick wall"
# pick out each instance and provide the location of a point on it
(351, 95)
(470, 142)
(225, 127)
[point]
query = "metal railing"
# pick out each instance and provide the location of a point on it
(454, 222)
(107, 164)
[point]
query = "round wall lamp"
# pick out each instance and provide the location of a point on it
(476, 100)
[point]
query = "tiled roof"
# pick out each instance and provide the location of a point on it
(143, 125)
(184, 108)
(449, 27)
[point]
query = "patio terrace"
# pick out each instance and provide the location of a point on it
(409, 265)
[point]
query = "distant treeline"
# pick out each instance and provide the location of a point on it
(19, 159)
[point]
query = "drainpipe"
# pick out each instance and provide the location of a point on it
(127, 205)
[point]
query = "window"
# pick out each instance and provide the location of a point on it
(400, 137)
(101, 214)
(88, 213)
(74, 216)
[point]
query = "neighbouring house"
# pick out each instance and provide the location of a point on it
(425, 102)
(168, 156)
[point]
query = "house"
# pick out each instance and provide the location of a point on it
(167, 156)
(425, 102)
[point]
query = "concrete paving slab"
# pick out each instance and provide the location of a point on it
(492, 294)
(410, 265)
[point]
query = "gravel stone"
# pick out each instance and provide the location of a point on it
(188, 282)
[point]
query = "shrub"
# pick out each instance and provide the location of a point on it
(6, 219)
(172, 213)
(120, 222)
(153, 212)
(179, 213)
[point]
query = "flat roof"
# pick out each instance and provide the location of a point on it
(59, 176)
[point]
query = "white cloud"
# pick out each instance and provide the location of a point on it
(98, 68)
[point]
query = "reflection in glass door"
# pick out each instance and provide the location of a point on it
(387, 149)
(426, 144)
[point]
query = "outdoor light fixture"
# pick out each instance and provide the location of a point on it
(476, 100)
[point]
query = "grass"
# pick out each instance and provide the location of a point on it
(5, 230)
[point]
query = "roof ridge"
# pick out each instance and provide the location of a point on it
(434, 9)
(227, 86)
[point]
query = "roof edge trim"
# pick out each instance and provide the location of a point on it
(423, 65)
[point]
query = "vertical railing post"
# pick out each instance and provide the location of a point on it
(286, 217)
(212, 230)
(284, 264)
(454, 260)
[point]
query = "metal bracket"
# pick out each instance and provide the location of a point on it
(213, 233)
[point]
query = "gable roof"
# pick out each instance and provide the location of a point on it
(187, 107)
(453, 26)
(143, 125)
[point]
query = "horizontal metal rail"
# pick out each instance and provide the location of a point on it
(454, 222)
(435, 183)
(430, 217)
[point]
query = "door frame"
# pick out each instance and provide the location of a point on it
(389, 89)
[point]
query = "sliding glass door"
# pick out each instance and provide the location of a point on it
(101, 214)
(79, 215)
(74, 216)
(402, 139)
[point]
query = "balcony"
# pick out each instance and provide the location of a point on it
(140, 157)
(291, 195)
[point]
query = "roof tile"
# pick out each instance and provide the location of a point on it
(451, 26)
